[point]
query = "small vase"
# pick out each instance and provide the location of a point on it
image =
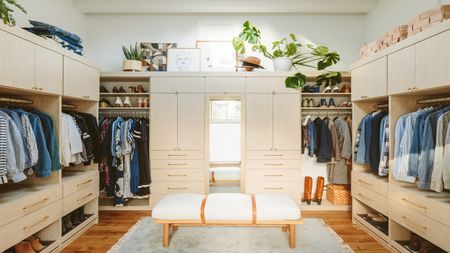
(282, 64)
(132, 65)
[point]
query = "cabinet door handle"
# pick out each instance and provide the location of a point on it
(176, 188)
(414, 203)
(35, 204)
(273, 164)
(363, 96)
(84, 183)
(273, 188)
(177, 155)
(365, 183)
(36, 223)
(177, 164)
(413, 224)
(365, 197)
(273, 175)
(85, 197)
(86, 96)
(175, 175)
(273, 154)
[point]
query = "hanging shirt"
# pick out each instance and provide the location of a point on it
(374, 144)
(71, 144)
(446, 161)
(383, 168)
(399, 171)
(417, 140)
(437, 183)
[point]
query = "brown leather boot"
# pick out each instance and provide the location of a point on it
(319, 190)
(23, 247)
(308, 190)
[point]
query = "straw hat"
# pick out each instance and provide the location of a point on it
(250, 63)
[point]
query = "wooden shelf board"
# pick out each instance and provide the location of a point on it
(122, 108)
(123, 94)
(326, 108)
(320, 94)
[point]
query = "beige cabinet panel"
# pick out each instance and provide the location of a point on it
(370, 80)
(286, 122)
(163, 126)
(17, 62)
(267, 85)
(259, 121)
(191, 121)
(163, 84)
(80, 80)
(433, 61)
(49, 70)
(401, 70)
(92, 83)
(224, 84)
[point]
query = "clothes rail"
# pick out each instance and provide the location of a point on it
(126, 114)
(381, 106)
(434, 100)
(15, 100)
(69, 106)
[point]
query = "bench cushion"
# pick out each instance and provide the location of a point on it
(276, 207)
(228, 206)
(180, 206)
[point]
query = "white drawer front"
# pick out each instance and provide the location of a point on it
(370, 182)
(370, 198)
(276, 175)
(177, 187)
(273, 187)
(177, 84)
(177, 164)
(273, 155)
(193, 175)
(79, 183)
(79, 198)
(225, 84)
(273, 164)
(176, 155)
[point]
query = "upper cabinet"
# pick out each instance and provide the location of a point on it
(267, 85)
(80, 80)
(401, 70)
(370, 80)
(432, 61)
(49, 71)
(224, 84)
(185, 84)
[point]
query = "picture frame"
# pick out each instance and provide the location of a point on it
(183, 59)
(217, 55)
(155, 58)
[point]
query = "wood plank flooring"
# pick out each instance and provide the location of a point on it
(114, 224)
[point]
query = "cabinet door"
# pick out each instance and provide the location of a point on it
(267, 85)
(370, 80)
(49, 70)
(286, 122)
(401, 70)
(259, 121)
(163, 124)
(80, 80)
(17, 62)
(191, 121)
(433, 61)
(92, 83)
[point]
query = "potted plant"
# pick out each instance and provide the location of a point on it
(133, 56)
(6, 9)
(287, 53)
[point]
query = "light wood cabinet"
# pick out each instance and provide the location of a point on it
(286, 122)
(191, 121)
(80, 80)
(401, 70)
(370, 80)
(225, 84)
(259, 121)
(432, 61)
(49, 71)
(182, 84)
(267, 85)
(163, 126)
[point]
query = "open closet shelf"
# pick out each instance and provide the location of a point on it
(320, 94)
(123, 108)
(327, 108)
(123, 94)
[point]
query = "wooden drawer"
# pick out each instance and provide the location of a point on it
(429, 204)
(176, 155)
(184, 84)
(74, 181)
(273, 155)
(269, 175)
(271, 164)
(429, 229)
(177, 187)
(177, 164)
(29, 225)
(370, 182)
(193, 175)
(79, 198)
(267, 85)
(370, 198)
(272, 187)
(225, 84)
(33, 199)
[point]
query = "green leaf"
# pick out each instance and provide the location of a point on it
(291, 49)
(293, 37)
(295, 82)
(277, 53)
(238, 45)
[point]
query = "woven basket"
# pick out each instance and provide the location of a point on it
(339, 194)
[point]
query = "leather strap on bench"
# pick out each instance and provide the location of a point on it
(254, 209)
(202, 209)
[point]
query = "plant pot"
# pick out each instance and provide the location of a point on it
(132, 65)
(282, 64)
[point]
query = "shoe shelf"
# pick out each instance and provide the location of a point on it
(327, 108)
(123, 108)
(124, 94)
(320, 94)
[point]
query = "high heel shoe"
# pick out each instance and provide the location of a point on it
(127, 102)
(115, 90)
(122, 90)
(140, 103)
(118, 102)
(132, 89)
(103, 89)
(331, 103)
(146, 103)
(323, 103)
(140, 89)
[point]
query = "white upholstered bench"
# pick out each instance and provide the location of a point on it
(227, 209)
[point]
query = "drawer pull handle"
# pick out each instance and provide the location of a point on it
(412, 224)
(274, 175)
(414, 203)
(84, 183)
(364, 182)
(85, 197)
(363, 96)
(35, 204)
(273, 154)
(175, 175)
(177, 164)
(364, 197)
(273, 188)
(176, 188)
(273, 164)
(36, 223)
(86, 96)
(177, 155)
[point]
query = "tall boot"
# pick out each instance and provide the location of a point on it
(319, 190)
(308, 190)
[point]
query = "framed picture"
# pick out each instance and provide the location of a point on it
(183, 59)
(217, 55)
(156, 55)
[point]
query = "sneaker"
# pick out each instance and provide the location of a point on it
(331, 103)
(127, 102)
(311, 103)
(304, 102)
(327, 89)
(115, 90)
(104, 103)
(118, 102)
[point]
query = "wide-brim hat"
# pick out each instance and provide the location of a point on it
(251, 62)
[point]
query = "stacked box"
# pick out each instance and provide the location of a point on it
(428, 18)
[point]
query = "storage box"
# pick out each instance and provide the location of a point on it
(339, 194)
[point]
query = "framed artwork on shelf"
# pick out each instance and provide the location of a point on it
(183, 59)
(217, 55)
(155, 58)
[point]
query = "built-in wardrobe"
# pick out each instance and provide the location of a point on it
(39, 76)
(409, 76)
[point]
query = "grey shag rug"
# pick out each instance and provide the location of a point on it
(313, 236)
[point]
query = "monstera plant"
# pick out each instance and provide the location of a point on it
(298, 54)
(6, 9)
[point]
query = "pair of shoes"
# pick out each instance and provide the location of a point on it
(137, 89)
(120, 103)
(143, 103)
(307, 193)
(104, 103)
(323, 103)
(103, 89)
(346, 104)
(66, 224)
(308, 102)
(346, 89)
(119, 90)
(329, 89)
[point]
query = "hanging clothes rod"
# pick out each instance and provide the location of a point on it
(69, 106)
(16, 100)
(381, 106)
(433, 100)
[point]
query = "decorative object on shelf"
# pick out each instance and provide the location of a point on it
(6, 9)
(183, 59)
(217, 55)
(339, 194)
(299, 54)
(155, 55)
(250, 63)
(133, 56)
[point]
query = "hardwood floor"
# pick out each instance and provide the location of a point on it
(113, 225)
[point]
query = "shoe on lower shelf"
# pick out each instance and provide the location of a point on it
(36, 243)
(23, 247)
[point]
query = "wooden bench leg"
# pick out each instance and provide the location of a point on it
(284, 228)
(174, 228)
(292, 236)
(166, 235)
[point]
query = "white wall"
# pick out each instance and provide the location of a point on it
(61, 13)
(106, 33)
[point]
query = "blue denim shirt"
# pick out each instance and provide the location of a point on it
(312, 138)
(399, 129)
(51, 139)
(417, 140)
(362, 156)
(15, 117)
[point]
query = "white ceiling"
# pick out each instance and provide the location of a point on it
(225, 6)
